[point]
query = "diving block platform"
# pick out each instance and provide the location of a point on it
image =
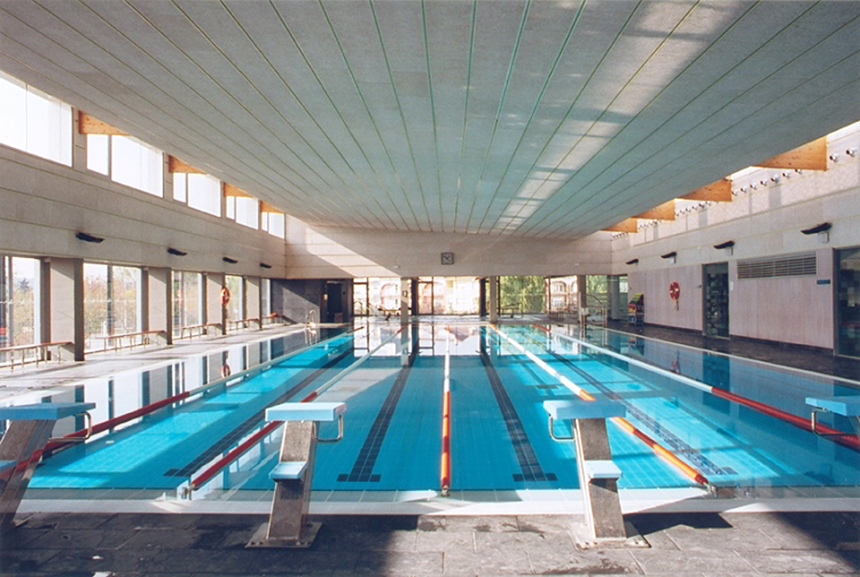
(21, 447)
(288, 525)
(598, 474)
(840, 405)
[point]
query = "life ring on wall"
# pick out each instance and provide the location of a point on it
(225, 296)
(225, 370)
(674, 290)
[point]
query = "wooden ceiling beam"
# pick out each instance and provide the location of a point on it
(665, 211)
(265, 207)
(626, 225)
(230, 190)
(810, 156)
(720, 191)
(177, 165)
(91, 125)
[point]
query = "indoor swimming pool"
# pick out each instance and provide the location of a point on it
(693, 419)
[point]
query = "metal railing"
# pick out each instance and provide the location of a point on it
(42, 353)
(126, 340)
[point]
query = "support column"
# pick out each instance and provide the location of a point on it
(65, 312)
(616, 307)
(253, 305)
(214, 310)
(157, 303)
(494, 299)
(405, 286)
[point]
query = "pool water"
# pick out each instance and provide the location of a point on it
(499, 432)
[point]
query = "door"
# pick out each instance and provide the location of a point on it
(848, 302)
(334, 302)
(716, 295)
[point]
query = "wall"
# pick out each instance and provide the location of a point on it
(659, 306)
(328, 252)
(763, 221)
(294, 299)
(44, 204)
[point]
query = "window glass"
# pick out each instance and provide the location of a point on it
(187, 300)
(247, 211)
(180, 186)
(136, 164)
(19, 298)
(98, 153)
(111, 304)
(34, 122)
(13, 104)
(273, 223)
(235, 308)
(204, 193)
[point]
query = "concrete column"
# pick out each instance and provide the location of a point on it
(581, 292)
(66, 304)
(616, 307)
(253, 301)
(405, 286)
(214, 310)
(157, 303)
(494, 299)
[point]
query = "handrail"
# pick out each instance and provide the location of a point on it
(243, 447)
(43, 348)
(244, 322)
(118, 339)
(202, 328)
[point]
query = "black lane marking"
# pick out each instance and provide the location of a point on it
(362, 469)
(228, 441)
(529, 466)
(678, 445)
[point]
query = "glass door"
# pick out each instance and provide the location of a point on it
(716, 295)
(848, 302)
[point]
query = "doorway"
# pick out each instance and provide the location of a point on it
(716, 299)
(333, 303)
(848, 302)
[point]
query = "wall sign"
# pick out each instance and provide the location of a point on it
(447, 258)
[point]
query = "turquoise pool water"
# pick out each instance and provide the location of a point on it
(499, 428)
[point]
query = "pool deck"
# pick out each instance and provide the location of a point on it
(737, 541)
(681, 545)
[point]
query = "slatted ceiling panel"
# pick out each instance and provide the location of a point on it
(693, 163)
(295, 102)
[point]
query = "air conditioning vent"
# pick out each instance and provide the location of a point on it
(804, 264)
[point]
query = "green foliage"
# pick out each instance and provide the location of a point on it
(523, 294)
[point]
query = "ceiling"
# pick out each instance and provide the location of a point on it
(539, 118)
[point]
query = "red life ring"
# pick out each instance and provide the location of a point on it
(225, 296)
(225, 370)
(674, 290)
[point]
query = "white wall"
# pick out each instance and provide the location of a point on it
(765, 221)
(328, 252)
(43, 205)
